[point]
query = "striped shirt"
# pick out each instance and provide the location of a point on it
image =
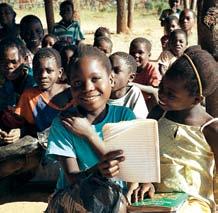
(71, 34)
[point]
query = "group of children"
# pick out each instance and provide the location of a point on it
(58, 82)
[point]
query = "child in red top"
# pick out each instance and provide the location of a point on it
(147, 76)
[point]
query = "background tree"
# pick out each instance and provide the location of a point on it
(49, 12)
(121, 17)
(131, 4)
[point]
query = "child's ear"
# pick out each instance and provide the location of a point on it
(61, 71)
(198, 99)
(149, 55)
(131, 77)
(111, 77)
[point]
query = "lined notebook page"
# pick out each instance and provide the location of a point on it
(140, 143)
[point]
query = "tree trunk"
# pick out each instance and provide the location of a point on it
(186, 4)
(207, 36)
(49, 14)
(131, 4)
(121, 17)
(193, 5)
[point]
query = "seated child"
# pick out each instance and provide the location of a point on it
(104, 44)
(31, 31)
(188, 134)
(176, 46)
(70, 135)
(68, 29)
(173, 10)
(17, 75)
(187, 23)
(147, 75)
(38, 106)
(49, 40)
(102, 31)
(122, 94)
(7, 21)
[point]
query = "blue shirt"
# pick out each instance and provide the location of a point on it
(62, 142)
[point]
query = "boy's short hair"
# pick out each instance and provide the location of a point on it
(47, 53)
(90, 51)
(5, 5)
(178, 31)
(102, 31)
(66, 3)
(98, 40)
(129, 60)
(141, 40)
(10, 43)
(169, 19)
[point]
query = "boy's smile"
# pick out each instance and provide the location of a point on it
(90, 85)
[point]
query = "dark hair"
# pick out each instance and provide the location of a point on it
(49, 35)
(205, 65)
(66, 3)
(176, 32)
(98, 40)
(10, 43)
(129, 60)
(5, 5)
(141, 40)
(169, 19)
(102, 31)
(89, 51)
(27, 20)
(46, 53)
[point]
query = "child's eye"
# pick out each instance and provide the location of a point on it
(95, 79)
(49, 71)
(171, 96)
(76, 83)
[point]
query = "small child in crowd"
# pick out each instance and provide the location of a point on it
(17, 75)
(147, 75)
(187, 22)
(38, 106)
(7, 21)
(173, 10)
(70, 135)
(102, 31)
(68, 29)
(31, 31)
(177, 44)
(171, 23)
(104, 44)
(122, 94)
(49, 40)
(188, 134)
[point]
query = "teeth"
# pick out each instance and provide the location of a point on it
(162, 103)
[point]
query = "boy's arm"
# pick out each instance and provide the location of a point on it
(211, 135)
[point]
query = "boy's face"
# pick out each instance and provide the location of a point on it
(105, 47)
(66, 13)
(46, 73)
(178, 44)
(174, 4)
(140, 53)
(34, 34)
(90, 85)
(171, 27)
(187, 21)
(48, 42)
(121, 73)
(173, 96)
(6, 16)
(12, 63)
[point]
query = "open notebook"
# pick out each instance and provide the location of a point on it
(140, 142)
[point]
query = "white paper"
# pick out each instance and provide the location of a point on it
(140, 143)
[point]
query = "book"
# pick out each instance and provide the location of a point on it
(139, 141)
(161, 202)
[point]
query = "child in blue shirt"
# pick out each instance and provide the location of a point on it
(68, 29)
(72, 135)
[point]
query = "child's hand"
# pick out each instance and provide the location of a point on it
(80, 126)
(12, 136)
(137, 191)
(3, 134)
(109, 166)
